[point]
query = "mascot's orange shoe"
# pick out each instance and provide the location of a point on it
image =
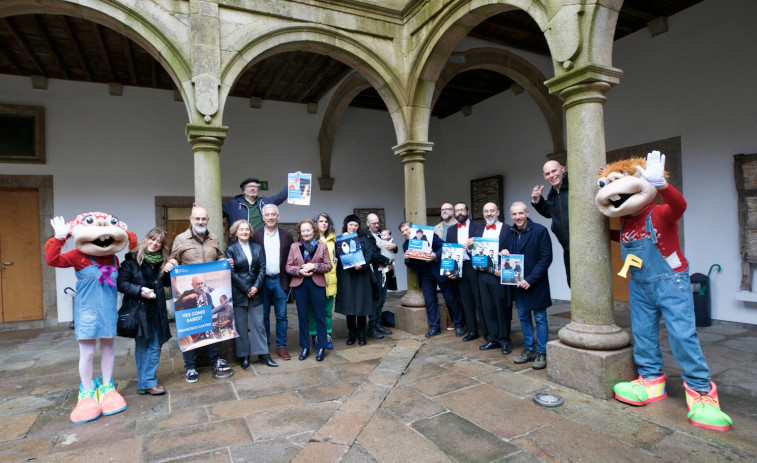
(641, 391)
(111, 401)
(704, 410)
(87, 409)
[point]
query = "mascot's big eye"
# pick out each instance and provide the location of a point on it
(88, 220)
(113, 221)
(601, 183)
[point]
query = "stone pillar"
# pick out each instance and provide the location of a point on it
(206, 143)
(410, 316)
(591, 343)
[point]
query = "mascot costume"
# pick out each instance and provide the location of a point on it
(97, 237)
(659, 286)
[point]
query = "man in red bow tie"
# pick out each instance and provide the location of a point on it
(463, 234)
(496, 310)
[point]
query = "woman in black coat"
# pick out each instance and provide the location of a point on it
(247, 279)
(354, 287)
(142, 278)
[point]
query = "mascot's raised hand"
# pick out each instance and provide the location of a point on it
(655, 171)
(60, 227)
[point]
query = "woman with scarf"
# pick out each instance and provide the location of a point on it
(307, 263)
(326, 235)
(143, 275)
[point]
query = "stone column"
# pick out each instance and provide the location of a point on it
(206, 143)
(410, 316)
(591, 343)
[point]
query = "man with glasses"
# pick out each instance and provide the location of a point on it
(249, 206)
(448, 219)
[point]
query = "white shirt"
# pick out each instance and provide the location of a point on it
(247, 252)
(462, 238)
(493, 233)
(272, 249)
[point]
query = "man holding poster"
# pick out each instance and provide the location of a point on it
(194, 246)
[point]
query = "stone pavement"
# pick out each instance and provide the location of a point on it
(401, 399)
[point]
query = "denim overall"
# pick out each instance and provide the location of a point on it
(656, 289)
(95, 310)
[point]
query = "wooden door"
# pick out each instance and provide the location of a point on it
(177, 222)
(21, 266)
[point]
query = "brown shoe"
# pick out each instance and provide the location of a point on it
(155, 390)
(283, 354)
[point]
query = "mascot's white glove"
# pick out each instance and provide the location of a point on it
(655, 171)
(60, 227)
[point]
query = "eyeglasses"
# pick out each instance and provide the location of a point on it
(251, 186)
(447, 209)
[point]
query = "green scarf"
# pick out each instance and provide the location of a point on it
(153, 257)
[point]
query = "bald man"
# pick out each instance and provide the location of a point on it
(555, 207)
(194, 246)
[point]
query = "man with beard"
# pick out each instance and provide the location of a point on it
(494, 297)
(463, 233)
(555, 207)
(194, 246)
(448, 219)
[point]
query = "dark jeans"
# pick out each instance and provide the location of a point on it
(190, 356)
(310, 293)
(273, 294)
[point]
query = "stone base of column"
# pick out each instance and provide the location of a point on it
(411, 319)
(592, 372)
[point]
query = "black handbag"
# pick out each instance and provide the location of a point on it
(128, 320)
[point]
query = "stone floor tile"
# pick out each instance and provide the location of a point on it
(32, 403)
(255, 386)
(342, 428)
(521, 457)
(15, 426)
(358, 454)
(321, 452)
(244, 407)
(127, 450)
(494, 410)
(27, 449)
(339, 390)
(471, 367)
(94, 433)
(195, 439)
(214, 456)
(291, 421)
(372, 350)
(419, 370)
(516, 384)
(355, 370)
(444, 384)
(565, 440)
(366, 398)
(203, 395)
(463, 440)
(268, 451)
(684, 448)
(175, 420)
(407, 405)
(389, 441)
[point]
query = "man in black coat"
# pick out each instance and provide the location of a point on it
(463, 234)
(378, 260)
(555, 207)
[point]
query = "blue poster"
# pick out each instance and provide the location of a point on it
(349, 250)
(299, 189)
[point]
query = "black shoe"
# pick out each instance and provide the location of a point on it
(489, 345)
(245, 363)
(506, 348)
(351, 338)
(471, 336)
(304, 354)
(265, 358)
(433, 332)
(361, 337)
(320, 354)
(383, 330)
(372, 333)
(459, 332)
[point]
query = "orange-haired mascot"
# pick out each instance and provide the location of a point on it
(97, 237)
(659, 286)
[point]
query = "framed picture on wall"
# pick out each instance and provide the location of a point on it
(22, 134)
(486, 190)
(363, 213)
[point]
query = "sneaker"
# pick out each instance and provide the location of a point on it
(541, 361)
(704, 409)
(192, 375)
(221, 366)
(641, 391)
(109, 398)
(526, 356)
(87, 408)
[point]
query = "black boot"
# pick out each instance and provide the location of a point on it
(373, 332)
(361, 336)
(266, 359)
(351, 337)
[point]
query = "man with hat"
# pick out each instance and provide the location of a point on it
(249, 206)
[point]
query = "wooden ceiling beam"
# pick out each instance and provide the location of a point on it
(300, 73)
(259, 72)
(330, 63)
(125, 44)
(334, 81)
(100, 43)
(49, 44)
(22, 44)
(279, 74)
(12, 58)
(77, 48)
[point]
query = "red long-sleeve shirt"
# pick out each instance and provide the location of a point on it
(665, 221)
(74, 258)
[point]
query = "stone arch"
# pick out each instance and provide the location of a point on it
(158, 32)
(254, 45)
(350, 87)
(522, 72)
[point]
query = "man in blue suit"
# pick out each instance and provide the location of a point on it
(532, 293)
(428, 272)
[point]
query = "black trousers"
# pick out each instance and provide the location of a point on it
(497, 313)
(471, 299)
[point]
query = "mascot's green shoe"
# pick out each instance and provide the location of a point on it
(641, 391)
(704, 410)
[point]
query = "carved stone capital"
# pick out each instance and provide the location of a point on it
(413, 151)
(587, 83)
(204, 137)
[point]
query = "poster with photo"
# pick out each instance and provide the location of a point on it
(484, 254)
(452, 260)
(421, 237)
(349, 250)
(203, 304)
(299, 189)
(512, 269)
